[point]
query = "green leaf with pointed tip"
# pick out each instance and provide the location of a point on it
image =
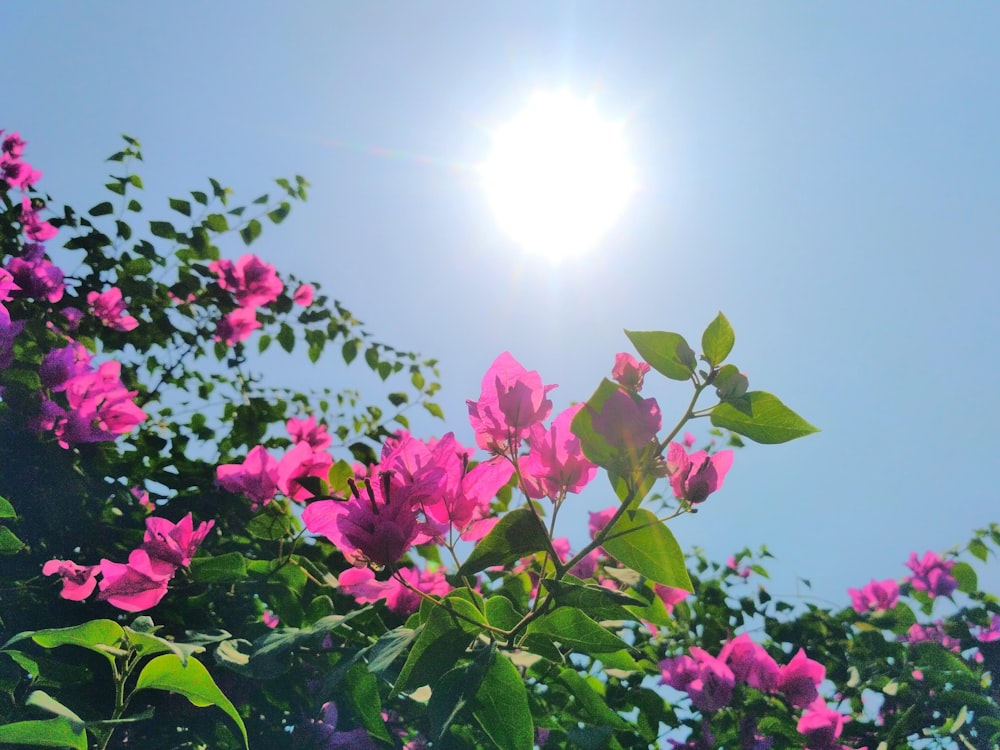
(272, 653)
(516, 535)
(361, 689)
(597, 601)
(761, 417)
(588, 696)
(286, 337)
(500, 613)
(192, 681)
(9, 543)
(181, 206)
(444, 636)
(965, 574)
(41, 699)
(56, 732)
(228, 568)
(163, 229)
(251, 231)
(642, 542)
(388, 648)
(102, 209)
(95, 635)
(270, 524)
(574, 629)
(717, 340)
(501, 706)
(667, 353)
(217, 222)
(148, 644)
(7, 510)
(976, 547)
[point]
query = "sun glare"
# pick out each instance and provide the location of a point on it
(559, 176)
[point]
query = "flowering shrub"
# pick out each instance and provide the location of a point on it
(318, 577)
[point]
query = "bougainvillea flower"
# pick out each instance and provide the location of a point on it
(556, 464)
(627, 424)
(932, 574)
(109, 308)
(9, 329)
(932, 633)
(989, 633)
(376, 526)
(821, 726)
(512, 399)
(877, 596)
(670, 595)
(78, 580)
(174, 544)
(303, 295)
(733, 565)
(256, 477)
(60, 366)
(322, 733)
(712, 689)
(299, 462)
(237, 326)
(134, 586)
(308, 431)
(678, 671)
(751, 663)
(695, 477)
(40, 279)
(799, 679)
(628, 372)
(252, 281)
(100, 408)
(361, 584)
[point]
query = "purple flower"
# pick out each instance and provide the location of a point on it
(695, 477)
(877, 596)
(932, 574)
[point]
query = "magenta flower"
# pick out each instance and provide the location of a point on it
(270, 619)
(78, 580)
(599, 519)
(174, 544)
(670, 596)
(712, 689)
(627, 424)
(361, 584)
(877, 596)
(629, 372)
(137, 585)
(109, 308)
(256, 477)
(990, 633)
(799, 680)
(38, 279)
(556, 464)
(751, 663)
(298, 463)
(308, 431)
(695, 477)
(932, 574)
(376, 527)
(734, 566)
(303, 295)
(252, 281)
(60, 366)
(237, 326)
(100, 408)
(511, 401)
(821, 726)
(932, 633)
(9, 329)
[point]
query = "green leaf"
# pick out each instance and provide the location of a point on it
(58, 732)
(642, 542)
(272, 653)
(41, 699)
(434, 409)
(250, 232)
(761, 417)
(102, 209)
(6, 509)
(501, 706)
(443, 639)
(148, 644)
(980, 550)
(228, 568)
(269, 525)
(500, 613)
(516, 535)
(118, 188)
(388, 648)
(163, 229)
(667, 353)
(574, 629)
(217, 223)
(965, 574)
(717, 340)
(200, 197)
(95, 635)
(361, 691)
(286, 337)
(9, 543)
(592, 703)
(278, 215)
(597, 601)
(192, 681)
(180, 206)
(350, 350)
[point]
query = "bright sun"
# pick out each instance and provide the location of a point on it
(559, 176)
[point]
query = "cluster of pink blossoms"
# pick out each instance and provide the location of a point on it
(97, 405)
(141, 582)
(932, 574)
(710, 681)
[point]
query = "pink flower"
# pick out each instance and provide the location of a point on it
(627, 424)
(821, 726)
(695, 477)
(377, 528)
(932, 574)
(799, 680)
(511, 401)
(78, 580)
(361, 584)
(237, 326)
(256, 477)
(688, 440)
(877, 596)
(137, 585)
(298, 463)
(990, 633)
(307, 431)
(670, 595)
(734, 566)
(270, 619)
(174, 544)
(600, 519)
(704, 677)
(303, 295)
(38, 279)
(35, 229)
(60, 366)
(751, 663)
(629, 372)
(109, 308)
(932, 633)
(9, 329)
(556, 465)
(252, 281)
(143, 497)
(100, 408)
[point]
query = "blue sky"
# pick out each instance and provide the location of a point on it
(828, 175)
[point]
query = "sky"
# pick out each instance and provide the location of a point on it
(827, 175)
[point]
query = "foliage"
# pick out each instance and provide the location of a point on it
(308, 601)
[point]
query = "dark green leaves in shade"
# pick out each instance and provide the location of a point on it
(667, 353)
(516, 535)
(761, 417)
(642, 542)
(501, 706)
